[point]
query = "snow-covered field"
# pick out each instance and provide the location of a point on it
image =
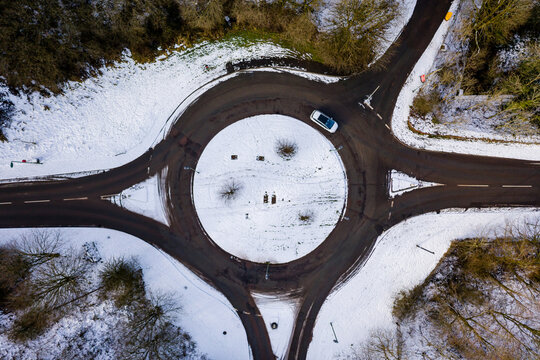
(205, 313)
(364, 303)
(111, 119)
(312, 183)
(410, 89)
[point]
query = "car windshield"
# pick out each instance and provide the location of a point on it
(326, 120)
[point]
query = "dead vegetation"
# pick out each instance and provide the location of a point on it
(481, 302)
(42, 282)
(286, 149)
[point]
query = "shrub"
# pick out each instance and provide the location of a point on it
(306, 217)
(14, 270)
(407, 301)
(30, 324)
(123, 280)
(425, 103)
(230, 190)
(286, 149)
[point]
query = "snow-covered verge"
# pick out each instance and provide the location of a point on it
(403, 256)
(262, 206)
(111, 119)
(279, 314)
(205, 314)
(144, 199)
(400, 125)
(400, 183)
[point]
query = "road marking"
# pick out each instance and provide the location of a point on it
(79, 198)
(36, 201)
(389, 214)
(245, 312)
(105, 197)
(6, 203)
(392, 204)
(467, 185)
(517, 186)
(379, 116)
(388, 127)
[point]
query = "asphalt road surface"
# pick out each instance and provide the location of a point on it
(369, 152)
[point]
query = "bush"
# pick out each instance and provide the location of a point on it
(425, 103)
(286, 149)
(14, 270)
(123, 280)
(30, 324)
(230, 190)
(407, 301)
(306, 217)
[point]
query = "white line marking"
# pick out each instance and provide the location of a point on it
(379, 116)
(466, 185)
(36, 201)
(6, 203)
(79, 198)
(388, 127)
(392, 204)
(389, 214)
(104, 197)
(517, 186)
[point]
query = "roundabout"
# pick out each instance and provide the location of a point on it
(269, 188)
(199, 201)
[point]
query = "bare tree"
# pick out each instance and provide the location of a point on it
(230, 190)
(152, 334)
(39, 246)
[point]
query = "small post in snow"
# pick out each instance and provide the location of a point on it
(190, 168)
(429, 251)
(335, 337)
(267, 266)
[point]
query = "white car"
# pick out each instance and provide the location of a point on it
(324, 121)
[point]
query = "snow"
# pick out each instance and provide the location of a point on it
(401, 183)
(313, 182)
(364, 303)
(144, 199)
(205, 313)
(111, 119)
(282, 311)
(401, 130)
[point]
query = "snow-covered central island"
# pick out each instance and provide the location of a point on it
(269, 188)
